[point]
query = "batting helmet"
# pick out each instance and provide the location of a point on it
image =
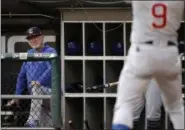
(73, 48)
(95, 48)
(117, 48)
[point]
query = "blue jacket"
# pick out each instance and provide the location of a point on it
(35, 71)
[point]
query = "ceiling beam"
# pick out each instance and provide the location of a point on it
(10, 15)
(39, 7)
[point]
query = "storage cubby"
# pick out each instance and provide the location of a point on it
(112, 73)
(73, 39)
(93, 74)
(73, 76)
(114, 42)
(128, 33)
(181, 32)
(183, 77)
(74, 111)
(95, 113)
(109, 112)
(181, 38)
(95, 63)
(94, 39)
(183, 71)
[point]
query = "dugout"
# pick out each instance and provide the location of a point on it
(66, 24)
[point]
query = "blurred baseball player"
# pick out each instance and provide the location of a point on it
(151, 98)
(36, 76)
(153, 54)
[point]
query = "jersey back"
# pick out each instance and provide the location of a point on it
(156, 20)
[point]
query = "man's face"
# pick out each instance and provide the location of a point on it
(36, 42)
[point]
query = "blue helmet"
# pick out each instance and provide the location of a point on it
(117, 48)
(95, 48)
(73, 48)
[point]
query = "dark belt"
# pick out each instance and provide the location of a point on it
(170, 43)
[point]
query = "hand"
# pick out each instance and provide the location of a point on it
(35, 83)
(12, 102)
(12, 105)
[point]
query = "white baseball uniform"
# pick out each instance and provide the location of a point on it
(153, 54)
(152, 99)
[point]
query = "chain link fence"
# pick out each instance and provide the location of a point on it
(30, 91)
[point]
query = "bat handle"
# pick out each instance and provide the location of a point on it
(91, 88)
(70, 122)
(87, 124)
(88, 89)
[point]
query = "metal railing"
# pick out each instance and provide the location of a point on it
(54, 97)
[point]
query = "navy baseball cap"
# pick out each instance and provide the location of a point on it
(32, 32)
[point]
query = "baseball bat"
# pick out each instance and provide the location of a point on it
(108, 85)
(70, 122)
(87, 124)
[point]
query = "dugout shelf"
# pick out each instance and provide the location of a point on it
(73, 76)
(93, 39)
(109, 111)
(114, 39)
(112, 72)
(127, 38)
(94, 74)
(73, 33)
(94, 112)
(74, 113)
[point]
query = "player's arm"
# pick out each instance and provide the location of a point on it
(21, 80)
(45, 78)
(20, 85)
